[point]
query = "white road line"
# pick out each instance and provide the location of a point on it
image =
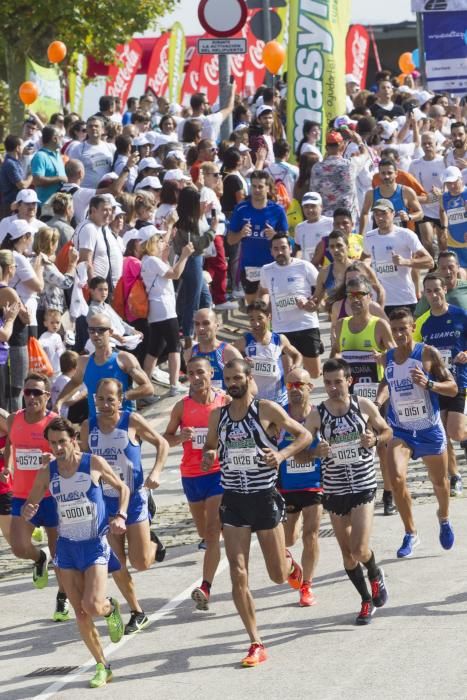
(112, 648)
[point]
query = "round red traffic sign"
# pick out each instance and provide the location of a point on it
(222, 18)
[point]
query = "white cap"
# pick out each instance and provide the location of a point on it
(350, 78)
(344, 120)
(150, 181)
(147, 232)
(18, 228)
(451, 174)
(149, 163)
(141, 140)
(243, 148)
(174, 108)
(27, 197)
(177, 175)
(388, 129)
(130, 235)
(423, 96)
(263, 108)
(241, 126)
(117, 211)
(111, 199)
(405, 90)
(176, 154)
(311, 198)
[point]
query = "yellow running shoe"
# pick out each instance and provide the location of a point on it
(102, 676)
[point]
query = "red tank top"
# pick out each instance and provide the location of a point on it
(28, 443)
(196, 415)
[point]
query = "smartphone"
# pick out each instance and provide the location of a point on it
(213, 213)
(231, 80)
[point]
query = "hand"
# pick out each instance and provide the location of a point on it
(209, 457)
(323, 449)
(133, 159)
(5, 476)
(58, 407)
(152, 481)
(73, 256)
(378, 356)
(29, 510)
(461, 357)
(62, 178)
(399, 261)
(261, 153)
(368, 439)
(187, 434)
(171, 218)
(272, 457)
(419, 377)
(188, 250)
(47, 457)
(269, 231)
(306, 304)
(461, 163)
(403, 215)
(24, 315)
(246, 230)
(118, 525)
(10, 311)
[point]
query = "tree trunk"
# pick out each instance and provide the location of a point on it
(16, 71)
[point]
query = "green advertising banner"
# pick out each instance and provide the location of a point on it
(316, 65)
(176, 62)
(47, 80)
(76, 83)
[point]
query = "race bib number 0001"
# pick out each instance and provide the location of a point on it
(345, 453)
(242, 459)
(29, 459)
(75, 512)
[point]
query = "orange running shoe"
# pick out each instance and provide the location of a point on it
(295, 576)
(256, 655)
(307, 597)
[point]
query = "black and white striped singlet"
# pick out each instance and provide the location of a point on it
(241, 445)
(351, 467)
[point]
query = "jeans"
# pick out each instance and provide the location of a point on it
(194, 293)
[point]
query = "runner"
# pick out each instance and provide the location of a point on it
(190, 416)
(116, 436)
(244, 432)
(83, 555)
(300, 486)
(414, 375)
(265, 350)
(350, 427)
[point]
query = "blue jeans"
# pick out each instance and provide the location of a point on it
(194, 293)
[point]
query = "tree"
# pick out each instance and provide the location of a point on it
(93, 27)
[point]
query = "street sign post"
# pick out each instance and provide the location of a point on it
(221, 46)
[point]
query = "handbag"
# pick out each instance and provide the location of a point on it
(38, 360)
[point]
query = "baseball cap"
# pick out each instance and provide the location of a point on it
(18, 228)
(117, 211)
(451, 174)
(147, 232)
(350, 78)
(311, 198)
(149, 163)
(243, 148)
(344, 120)
(423, 96)
(262, 109)
(388, 129)
(141, 140)
(177, 175)
(130, 235)
(383, 205)
(27, 197)
(241, 126)
(150, 181)
(176, 154)
(333, 137)
(111, 199)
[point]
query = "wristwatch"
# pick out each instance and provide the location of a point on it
(121, 514)
(430, 384)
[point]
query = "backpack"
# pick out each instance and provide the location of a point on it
(282, 194)
(118, 299)
(61, 259)
(138, 303)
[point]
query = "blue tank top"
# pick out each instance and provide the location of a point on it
(397, 200)
(456, 211)
(298, 477)
(117, 449)
(448, 334)
(330, 282)
(110, 369)
(411, 408)
(216, 360)
(268, 369)
(80, 503)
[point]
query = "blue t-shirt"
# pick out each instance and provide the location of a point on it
(11, 172)
(47, 163)
(448, 334)
(256, 249)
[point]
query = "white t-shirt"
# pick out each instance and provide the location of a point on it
(428, 174)
(396, 280)
(286, 173)
(285, 283)
(90, 236)
(61, 381)
(24, 272)
(115, 255)
(308, 235)
(53, 346)
(310, 148)
(97, 160)
(450, 159)
(161, 294)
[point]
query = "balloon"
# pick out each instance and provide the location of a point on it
(56, 51)
(28, 92)
(273, 56)
(405, 62)
(401, 78)
(416, 58)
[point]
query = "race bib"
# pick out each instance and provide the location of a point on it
(386, 269)
(409, 411)
(264, 368)
(29, 459)
(74, 512)
(199, 438)
(107, 488)
(253, 274)
(346, 453)
(242, 459)
(293, 467)
(368, 390)
(446, 356)
(285, 301)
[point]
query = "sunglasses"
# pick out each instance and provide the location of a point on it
(98, 330)
(356, 295)
(215, 174)
(295, 385)
(34, 392)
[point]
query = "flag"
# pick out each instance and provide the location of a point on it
(158, 71)
(47, 80)
(356, 53)
(76, 83)
(123, 71)
(176, 61)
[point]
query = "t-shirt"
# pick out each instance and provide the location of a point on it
(53, 347)
(379, 112)
(286, 283)
(308, 235)
(456, 297)
(428, 172)
(233, 183)
(81, 198)
(90, 236)
(255, 249)
(447, 333)
(115, 254)
(396, 280)
(24, 272)
(46, 163)
(11, 172)
(97, 160)
(161, 294)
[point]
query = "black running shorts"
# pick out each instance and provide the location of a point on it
(342, 505)
(258, 511)
(295, 501)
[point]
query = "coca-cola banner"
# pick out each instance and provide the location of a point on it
(254, 69)
(158, 72)
(356, 53)
(191, 82)
(122, 72)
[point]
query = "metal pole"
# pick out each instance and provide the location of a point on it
(224, 94)
(421, 47)
(267, 35)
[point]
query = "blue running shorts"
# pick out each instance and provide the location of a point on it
(199, 488)
(80, 555)
(137, 507)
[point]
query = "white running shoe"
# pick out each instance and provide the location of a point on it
(161, 377)
(226, 306)
(178, 389)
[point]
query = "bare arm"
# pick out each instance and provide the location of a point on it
(131, 366)
(376, 422)
(367, 204)
(210, 446)
(445, 383)
(296, 359)
(275, 414)
(177, 270)
(172, 437)
(145, 432)
(74, 383)
(37, 493)
(100, 469)
(84, 436)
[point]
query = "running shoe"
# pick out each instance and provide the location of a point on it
(114, 622)
(256, 655)
(137, 622)
(409, 543)
(201, 597)
(366, 612)
(379, 592)
(149, 400)
(226, 306)
(38, 534)
(102, 676)
(456, 487)
(161, 551)
(446, 534)
(160, 377)
(307, 598)
(62, 609)
(178, 390)
(202, 544)
(40, 574)
(295, 577)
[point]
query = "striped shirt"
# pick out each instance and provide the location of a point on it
(241, 452)
(350, 468)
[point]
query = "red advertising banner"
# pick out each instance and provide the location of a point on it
(356, 53)
(191, 82)
(209, 78)
(123, 71)
(254, 70)
(157, 78)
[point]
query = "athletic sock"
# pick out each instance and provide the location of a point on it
(61, 595)
(205, 584)
(358, 580)
(371, 567)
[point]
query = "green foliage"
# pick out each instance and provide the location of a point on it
(4, 110)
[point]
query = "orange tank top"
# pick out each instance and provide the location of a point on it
(27, 443)
(196, 415)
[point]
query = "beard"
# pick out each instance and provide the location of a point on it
(237, 392)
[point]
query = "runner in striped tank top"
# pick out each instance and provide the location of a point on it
(244, 433)
(349, 428)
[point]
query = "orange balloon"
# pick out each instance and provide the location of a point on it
(406, 63)
(273, 56)
(401, 78)
(56, 51)
(28, 92)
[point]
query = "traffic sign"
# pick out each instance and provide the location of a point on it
(222, 18)
(221, 46)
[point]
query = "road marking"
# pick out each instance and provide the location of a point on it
(112, 648)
